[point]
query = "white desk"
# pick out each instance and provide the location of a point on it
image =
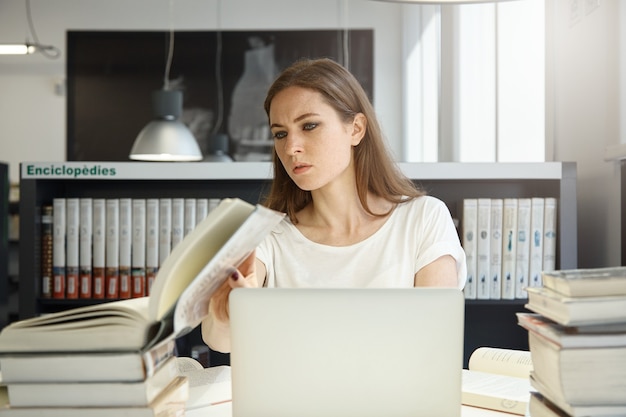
(225, 410)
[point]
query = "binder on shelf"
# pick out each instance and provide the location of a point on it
(536, 242)
(189, 216)
(549, 234)
(58, 247)
(178, 221)
(483, 243)
(509, 247)
(46, 251)
(112, 251)
(202, 209)
(152, 241)
(99, 248)
(470, 228)
(522, 261)
(495, 249)
(72, 247)
(138, 249)
(125, 239)
(165, 228)
(85, 247)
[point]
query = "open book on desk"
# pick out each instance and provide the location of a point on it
(498, 379)
(179, 297)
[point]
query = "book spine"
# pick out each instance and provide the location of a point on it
(522, 259)
(509, 247)
(58, 247)
(495, 249)
(125, 247)
(99, 248)
(138, 261)
(165, 228)
(549, 234)
(213, 203)
(152, 241)
(46, 251)
(483, 243)
(72, 247)
(470, 229)
(85, 247)
(190, 215)
(536, 242)
(178, 221)
(112, 251)
(202, 209)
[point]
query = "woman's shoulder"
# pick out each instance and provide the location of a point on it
(424, 202)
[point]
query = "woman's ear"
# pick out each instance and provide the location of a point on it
(359, 127)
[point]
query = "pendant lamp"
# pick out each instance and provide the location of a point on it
(166, 138)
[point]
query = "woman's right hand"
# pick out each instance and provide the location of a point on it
(244, 276)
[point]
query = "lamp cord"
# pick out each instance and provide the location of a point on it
(170, 51)
(48, 51)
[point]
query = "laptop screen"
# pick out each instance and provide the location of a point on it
(346, 352)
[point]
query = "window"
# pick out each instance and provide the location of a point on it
(475, 82)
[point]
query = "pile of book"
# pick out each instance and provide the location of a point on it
(117, 358)
(577, 341)
(93, 384)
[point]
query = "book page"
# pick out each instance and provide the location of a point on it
(208, 386)
(497, 392)
(191, 255)
(193, 304)
(517, 363)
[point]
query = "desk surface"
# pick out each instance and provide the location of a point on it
(225, 410)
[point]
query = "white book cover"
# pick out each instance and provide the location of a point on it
(112, 248)
(509, 247)
(178, 221)
(85, 246)
(495, 249)
(165, 228)
(72, 252)
(126, 225)
(152, 233)
(522, 261)
(99, 247)
(483, 245)
(202, 209)
(213, 203)
(470, 246)
(549, 234)
(190, 215)
(58, 247)
(138, 249)
(536, 242)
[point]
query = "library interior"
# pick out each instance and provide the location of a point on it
(509, 112)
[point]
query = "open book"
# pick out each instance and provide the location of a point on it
(498, 379)
(179, 297)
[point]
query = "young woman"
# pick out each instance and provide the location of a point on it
(353, 219)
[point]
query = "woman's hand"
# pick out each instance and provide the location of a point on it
(242, 277)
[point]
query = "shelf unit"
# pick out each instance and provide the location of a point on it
(488, 322)
(4, 244)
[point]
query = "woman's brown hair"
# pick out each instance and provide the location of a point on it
(376, 171)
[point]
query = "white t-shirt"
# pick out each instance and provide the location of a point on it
(417, 233)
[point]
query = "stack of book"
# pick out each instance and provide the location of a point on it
(577, 341)
(94, 384)
(117, 358)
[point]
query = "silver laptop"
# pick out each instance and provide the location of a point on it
(346, 352)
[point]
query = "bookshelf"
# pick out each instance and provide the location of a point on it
(488, 322)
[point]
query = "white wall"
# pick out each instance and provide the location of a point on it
(33, 117)
(583, 117)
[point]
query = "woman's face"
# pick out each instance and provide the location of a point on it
(312, 142)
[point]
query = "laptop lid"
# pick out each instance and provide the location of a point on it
(346, 352)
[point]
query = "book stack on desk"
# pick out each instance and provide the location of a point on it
(117, 358)
(85, 381)
(577, 340)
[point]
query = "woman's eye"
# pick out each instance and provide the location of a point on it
(280, 135)
(309, 126)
